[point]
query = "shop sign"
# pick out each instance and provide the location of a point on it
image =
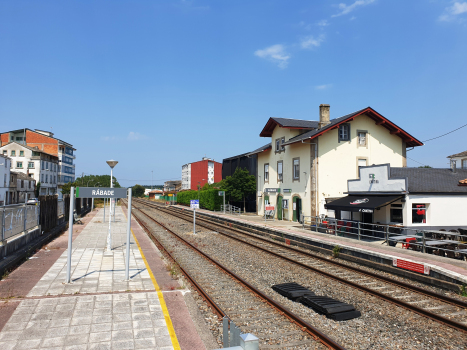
(373, 179)
(269, 207)
(365, 210)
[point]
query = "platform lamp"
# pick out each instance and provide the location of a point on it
(112, 164)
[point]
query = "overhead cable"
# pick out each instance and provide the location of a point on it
(437, 137)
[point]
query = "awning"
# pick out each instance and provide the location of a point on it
(361, 203)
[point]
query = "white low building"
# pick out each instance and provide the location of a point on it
(37, 164)
(421, 198)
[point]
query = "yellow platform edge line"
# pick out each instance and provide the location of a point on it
(170, 326)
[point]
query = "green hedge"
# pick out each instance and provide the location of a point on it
(208, 199)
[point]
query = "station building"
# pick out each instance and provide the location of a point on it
(307, 163)
(200, 173)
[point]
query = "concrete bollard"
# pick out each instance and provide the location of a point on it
(249, 342)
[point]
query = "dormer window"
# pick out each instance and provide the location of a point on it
(280, 145)
(344, 132)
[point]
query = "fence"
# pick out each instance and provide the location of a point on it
(17, 219)
(434, 242)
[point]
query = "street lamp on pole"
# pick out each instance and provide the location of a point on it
(199, 186)
(151, 178)
(112, 164)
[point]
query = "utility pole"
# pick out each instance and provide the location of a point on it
(151, 179)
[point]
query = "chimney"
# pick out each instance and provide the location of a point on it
(454, 165)
(324, 118)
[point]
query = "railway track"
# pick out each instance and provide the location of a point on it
(230, 295)
(440, 308)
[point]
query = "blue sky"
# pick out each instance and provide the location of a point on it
(157, 84)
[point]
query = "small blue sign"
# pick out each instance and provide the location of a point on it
(194, 204)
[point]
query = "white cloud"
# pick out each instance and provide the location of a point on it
(108, 138)
(135, 136)
(345, 9)
(310, 41)
(323, 23)
(323, 87)
(451, 12)
(275, 54)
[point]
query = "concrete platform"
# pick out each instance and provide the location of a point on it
(440, 267)
(99, 309)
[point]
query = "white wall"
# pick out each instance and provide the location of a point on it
(443, 210)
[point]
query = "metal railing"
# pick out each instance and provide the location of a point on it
(17, 219)
(443, 243)
(231, 209)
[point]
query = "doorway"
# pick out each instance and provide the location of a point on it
(297, 208)
(279, 207)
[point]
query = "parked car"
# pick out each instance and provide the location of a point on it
(32, 201)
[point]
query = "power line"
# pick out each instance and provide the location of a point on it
(416, 161)
(437, 137)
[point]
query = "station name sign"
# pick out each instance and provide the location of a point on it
(273, 190)
(100, 192)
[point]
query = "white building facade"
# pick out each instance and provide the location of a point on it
(36, 164)
(5, 164)
(186, 176)
(459, 160)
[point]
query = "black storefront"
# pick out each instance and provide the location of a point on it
(365, 205)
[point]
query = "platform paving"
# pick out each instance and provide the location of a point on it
(99, 309)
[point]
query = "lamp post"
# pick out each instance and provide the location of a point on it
(112, 164)
(151, 178)
(199, 186)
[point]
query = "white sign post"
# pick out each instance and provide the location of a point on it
(194, 204)
(128, 230)
(94, 192)
(70, 234)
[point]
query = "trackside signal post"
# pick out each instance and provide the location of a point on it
(97, 192)
(194, 204)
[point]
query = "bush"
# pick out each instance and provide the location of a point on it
(208, 199)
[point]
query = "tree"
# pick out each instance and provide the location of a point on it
(66, 188)
(239, 185)
(137, 191)
(425, 166)
(38, 188)
(96, 181)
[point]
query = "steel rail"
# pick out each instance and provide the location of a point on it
(304, 326)
(413, 308)
(429, 293)
(216, 308)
